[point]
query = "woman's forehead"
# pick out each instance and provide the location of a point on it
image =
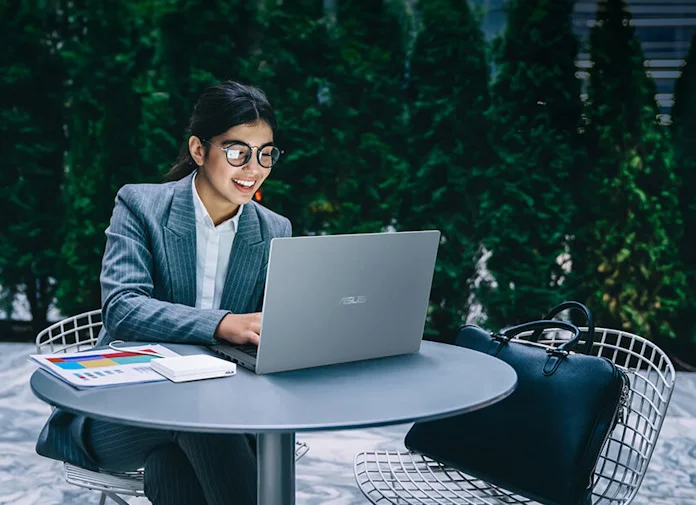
(252, 133)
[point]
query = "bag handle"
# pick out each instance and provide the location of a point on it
(566, 306)
(539, 326)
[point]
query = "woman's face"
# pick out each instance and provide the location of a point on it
(221, 186)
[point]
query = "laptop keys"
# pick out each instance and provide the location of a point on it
(251, 350)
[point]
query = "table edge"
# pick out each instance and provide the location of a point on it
(270, 429)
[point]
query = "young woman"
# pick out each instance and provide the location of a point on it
(185, 262)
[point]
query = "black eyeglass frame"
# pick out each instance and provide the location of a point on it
(249, 154)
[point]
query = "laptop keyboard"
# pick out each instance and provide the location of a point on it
(251, 350)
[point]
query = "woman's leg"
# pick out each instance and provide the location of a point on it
(169, 478)
(121, 448)
(224, 464)
(217, 469)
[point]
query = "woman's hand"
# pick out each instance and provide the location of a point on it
(240, 328)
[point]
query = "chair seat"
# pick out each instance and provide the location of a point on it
(398, 478)
(405, 478)
(127, 483)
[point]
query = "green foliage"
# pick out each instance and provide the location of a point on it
(32, 143)
(104, 123)
(684, 135)
(363, 120)
(378, 133)
(189, 58)
(527, 207)
(294, 67)
(448, 152)
(627, 261)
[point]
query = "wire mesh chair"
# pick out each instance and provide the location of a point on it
(79, 333)
(406, 478)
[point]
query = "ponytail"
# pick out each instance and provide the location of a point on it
(183, 166)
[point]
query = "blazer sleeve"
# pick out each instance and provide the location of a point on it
(129, 311)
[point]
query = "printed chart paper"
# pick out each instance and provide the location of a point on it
(105, 367)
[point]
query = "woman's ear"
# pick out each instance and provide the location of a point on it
(196, 150)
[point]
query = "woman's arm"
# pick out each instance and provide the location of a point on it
(129, 311)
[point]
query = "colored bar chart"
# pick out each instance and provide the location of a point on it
(104, 367)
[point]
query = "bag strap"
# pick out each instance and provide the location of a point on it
(589, 339)
(556, 355)
(540, 326)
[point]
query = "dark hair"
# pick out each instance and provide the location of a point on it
(218, 109)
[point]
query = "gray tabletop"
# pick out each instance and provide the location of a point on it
(438, 381)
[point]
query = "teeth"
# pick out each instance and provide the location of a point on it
(246, 184)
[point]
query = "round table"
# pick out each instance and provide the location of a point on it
(439, 381)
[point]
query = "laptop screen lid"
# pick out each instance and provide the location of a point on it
(338, 298)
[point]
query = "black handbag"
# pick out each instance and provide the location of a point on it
(543, 441)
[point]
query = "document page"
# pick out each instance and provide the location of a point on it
(106, 367)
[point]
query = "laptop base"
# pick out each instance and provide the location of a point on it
(235, 354)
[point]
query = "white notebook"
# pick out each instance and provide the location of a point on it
(193, 367)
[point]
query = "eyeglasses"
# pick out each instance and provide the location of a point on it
(238, 153)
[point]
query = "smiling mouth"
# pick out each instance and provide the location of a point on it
(244, 185)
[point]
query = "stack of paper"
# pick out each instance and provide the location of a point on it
(106, 367)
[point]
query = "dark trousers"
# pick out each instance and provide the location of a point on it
(180, 467)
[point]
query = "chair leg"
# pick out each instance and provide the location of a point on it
(115, 498)
(102, 498)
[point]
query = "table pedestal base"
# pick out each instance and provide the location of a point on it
(276, 468)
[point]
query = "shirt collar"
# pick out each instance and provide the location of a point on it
(203, 217)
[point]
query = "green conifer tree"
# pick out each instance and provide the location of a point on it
(32, 144)
(627, 254)
(196, 46)
(293, 68)
(448, 151)
(363, 119)
(684, 136)
(527, 207)
(106, 52)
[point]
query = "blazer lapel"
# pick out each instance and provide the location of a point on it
(180, 244)
(245, 262)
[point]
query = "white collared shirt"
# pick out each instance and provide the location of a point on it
(213, 249)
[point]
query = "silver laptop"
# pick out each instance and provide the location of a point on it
(338, 298)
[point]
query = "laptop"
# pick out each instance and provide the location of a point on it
(339, 298)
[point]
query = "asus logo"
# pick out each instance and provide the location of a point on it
(352, 300)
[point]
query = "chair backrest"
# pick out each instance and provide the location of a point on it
(626, 454)
(73, 334)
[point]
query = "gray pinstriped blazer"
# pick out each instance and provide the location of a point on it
(148, 283)
(148, 277)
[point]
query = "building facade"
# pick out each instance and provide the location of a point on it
(665, 28)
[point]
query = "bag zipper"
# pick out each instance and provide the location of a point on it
(619, 414)
(623, 399)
